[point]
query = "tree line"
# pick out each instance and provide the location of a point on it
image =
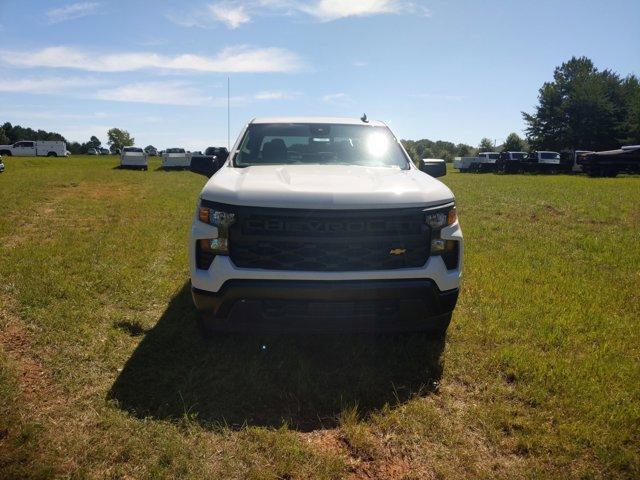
(582, 108)
(117, 138)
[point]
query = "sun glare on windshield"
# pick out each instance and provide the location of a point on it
(377, 145)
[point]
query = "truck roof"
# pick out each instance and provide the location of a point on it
(322, 120)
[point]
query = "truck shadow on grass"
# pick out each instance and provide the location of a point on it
(266, 380)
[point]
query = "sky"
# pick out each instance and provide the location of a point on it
(450, 70)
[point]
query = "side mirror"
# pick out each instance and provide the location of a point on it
(433, 167)
(205, 165)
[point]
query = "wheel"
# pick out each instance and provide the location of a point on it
(52, 154)
(6, 153)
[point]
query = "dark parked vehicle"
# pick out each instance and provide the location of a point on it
(511, 162)
(220, 153)
(612, 162)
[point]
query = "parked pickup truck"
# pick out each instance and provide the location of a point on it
(133, 157)
(612, 162)
(511, 162)
(35, 148)
(323, 224)
(175, 158)
(483, 162)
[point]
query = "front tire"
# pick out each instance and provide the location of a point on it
(52, 154)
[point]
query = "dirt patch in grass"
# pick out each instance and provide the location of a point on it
(91, 191)
(37, 390)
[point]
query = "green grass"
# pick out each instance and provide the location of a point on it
(103, 373)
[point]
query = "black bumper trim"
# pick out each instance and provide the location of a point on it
(220, 304)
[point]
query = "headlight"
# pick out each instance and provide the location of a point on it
(215, 217)
(447, 249)
(221, 220)
(441, 218)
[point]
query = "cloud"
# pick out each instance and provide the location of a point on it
(180, 93)
(53, 115)
(360, 64)
(337, 98)
(275, 95)
(163, 93)
(232, 15)
(72, 11)
(329, 10)
(45, 85)
(240, 59)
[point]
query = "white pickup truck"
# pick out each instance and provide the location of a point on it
(323, 224)
(175, 158)
(35, 148)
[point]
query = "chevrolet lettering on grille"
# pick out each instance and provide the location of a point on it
(321, 226)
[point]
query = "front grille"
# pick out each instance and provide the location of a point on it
(329, 241)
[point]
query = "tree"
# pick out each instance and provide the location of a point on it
(631, 125)
(513, 143)
(486, 145)
(583, 108)
(463, 150)
(15, 133)
(149, 147)
(4, 139)
(74, 148)
(119, 138)
(94, 142)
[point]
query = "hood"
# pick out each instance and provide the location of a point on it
(325, 187)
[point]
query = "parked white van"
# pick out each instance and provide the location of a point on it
(176, 158)
(133, 157)
(35, 148)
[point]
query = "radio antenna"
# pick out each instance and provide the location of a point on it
(228, 113)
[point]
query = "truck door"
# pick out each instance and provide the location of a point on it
(24, 149)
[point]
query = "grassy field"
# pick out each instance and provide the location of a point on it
(103, 373)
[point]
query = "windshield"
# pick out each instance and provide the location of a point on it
(132, 149)
(549, 156)
(312, 143)
(518, 155)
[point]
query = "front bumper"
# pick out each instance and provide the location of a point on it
(284, 305)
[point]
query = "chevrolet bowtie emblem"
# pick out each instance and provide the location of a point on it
(398, 251)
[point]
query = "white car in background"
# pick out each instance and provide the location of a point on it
(1, 165)
(176, 158)
(133, 157)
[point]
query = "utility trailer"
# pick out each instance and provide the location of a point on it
(612, 162)
(463, 164)
(133, 157)
(483, 162)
